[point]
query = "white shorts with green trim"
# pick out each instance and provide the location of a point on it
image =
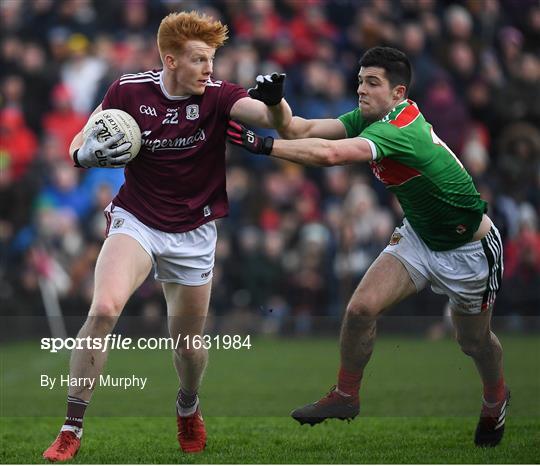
(469, 275)
(185, 258)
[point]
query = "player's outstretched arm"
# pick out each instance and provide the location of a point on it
(256, 113)
(300, 128)
(270, 89)
(311, 151)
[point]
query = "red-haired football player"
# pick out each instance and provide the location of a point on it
(163, 216)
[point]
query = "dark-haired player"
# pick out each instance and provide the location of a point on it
(163, 216)
(445, 239)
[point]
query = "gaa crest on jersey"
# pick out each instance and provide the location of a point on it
(395, 238)
(192, 112)
(460, 229)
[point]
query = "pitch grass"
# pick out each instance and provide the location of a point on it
(419, 405)
(278, 440)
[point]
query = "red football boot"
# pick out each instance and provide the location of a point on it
(490, 428)
(64, 448)
(191, 432)
(332, 406)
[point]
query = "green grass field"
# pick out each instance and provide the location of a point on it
(420, 402)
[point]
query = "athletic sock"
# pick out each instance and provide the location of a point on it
(74, 416)
(349, 382)
(495, 393)
(186, 403)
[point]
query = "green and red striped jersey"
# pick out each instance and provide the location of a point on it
(436, 193)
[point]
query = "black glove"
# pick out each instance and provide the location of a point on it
(269, 88)
(243, 137)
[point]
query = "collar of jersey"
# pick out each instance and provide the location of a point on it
(166, 94)
(400, 105)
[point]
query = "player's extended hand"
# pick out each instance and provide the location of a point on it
(243, 137)
(269, 88)
(106, 154)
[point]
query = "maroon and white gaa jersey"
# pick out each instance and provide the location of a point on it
(177, 182)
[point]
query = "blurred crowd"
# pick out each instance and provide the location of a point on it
(297, 240)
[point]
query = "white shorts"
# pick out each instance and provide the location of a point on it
(184, 258)
(469, 275)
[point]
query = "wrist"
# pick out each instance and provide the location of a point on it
(76, 159)
(267, 145)
(273, 104)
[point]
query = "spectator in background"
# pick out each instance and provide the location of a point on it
(283, 52)
(308, 26)
(258, 22)
(487, 14)
(461, 63)
(77, 16)
(13, 89)
(16, 197)
(10, 51)
(39, 78)
(522, 270)
(240, 186)
(64, 192)
(39, 19)
(325, 92)
(81, 73)
(413, 40)
(446, 111)
(532, 25)
(511, 45)
(369, 30)
(12, 17)
(307, 281)
(17, 142)
(475, 156)
(246, 60)
(62, 121)
(57, 39)
(479, 100)
(135, 18)
(458, 23)
(519, 161)
(520, 99)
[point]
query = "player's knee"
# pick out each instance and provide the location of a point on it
(474, 346)
(103, 316)
(362, 309)
(105, 308)
(191, 354)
